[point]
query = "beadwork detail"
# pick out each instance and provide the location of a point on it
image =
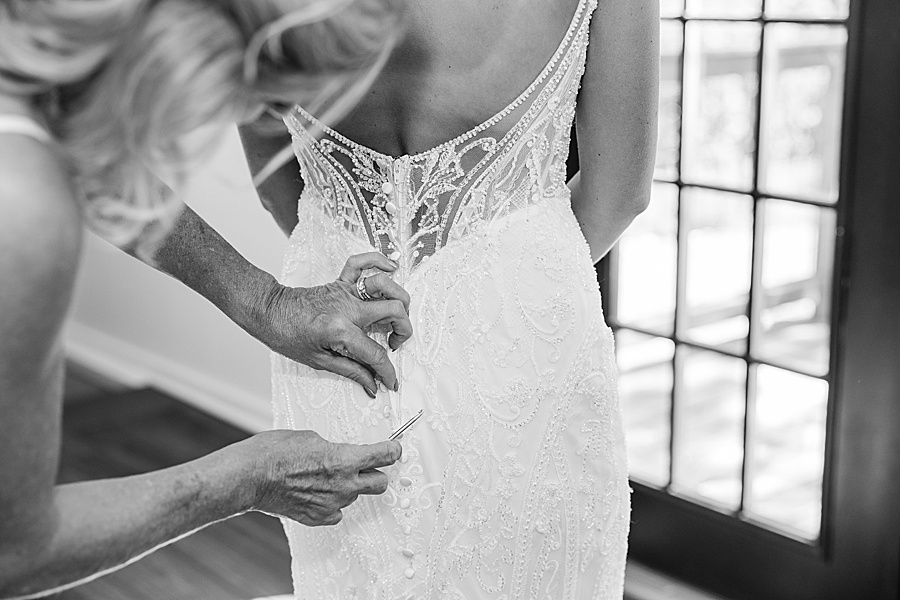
(513, 485)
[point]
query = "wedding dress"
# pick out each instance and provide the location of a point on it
(513, 484)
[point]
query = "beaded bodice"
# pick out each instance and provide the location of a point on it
(411, 206)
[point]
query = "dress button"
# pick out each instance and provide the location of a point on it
(410, 573)
(387, 187)
(391, 208)
(405, 502)
(405, 481)
(394, 255)
(408, 553)
(407, 529)
(386, 411)
(404, 458)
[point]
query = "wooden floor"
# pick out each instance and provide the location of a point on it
(110, 435)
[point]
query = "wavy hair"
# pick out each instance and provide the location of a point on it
(120, 83)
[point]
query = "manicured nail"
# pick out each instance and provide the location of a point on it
(397, 386)
(370, 392)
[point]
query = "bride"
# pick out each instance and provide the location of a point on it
(513, 484)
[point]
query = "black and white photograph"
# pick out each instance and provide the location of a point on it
(450, 299)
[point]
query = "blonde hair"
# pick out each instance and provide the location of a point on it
(122, 82)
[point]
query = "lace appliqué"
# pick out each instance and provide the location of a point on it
(514, 484)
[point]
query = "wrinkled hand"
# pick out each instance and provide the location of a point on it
(309, 480)
(322, 327)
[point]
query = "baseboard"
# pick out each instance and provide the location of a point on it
(643, 583)
(134, 367)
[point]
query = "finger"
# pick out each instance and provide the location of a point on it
(358, 263)
(333, 519)
(373, 482)
(373, 456)
(382, 287)
(352, 370)
(392, 313)
(370, 354)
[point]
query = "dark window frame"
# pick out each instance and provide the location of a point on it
(858, 556)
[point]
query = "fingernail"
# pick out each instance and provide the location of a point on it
(397, 386)
(370, 392)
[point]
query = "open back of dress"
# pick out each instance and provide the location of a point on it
(514, 484)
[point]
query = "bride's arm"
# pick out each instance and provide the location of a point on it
(280, 191)
(616, 121)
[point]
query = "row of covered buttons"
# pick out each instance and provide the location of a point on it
(387, 188)
(405, 503)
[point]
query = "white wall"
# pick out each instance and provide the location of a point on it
(139, 327)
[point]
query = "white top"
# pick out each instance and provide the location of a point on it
(22, 125)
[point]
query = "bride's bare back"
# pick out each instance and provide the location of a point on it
(461, 62)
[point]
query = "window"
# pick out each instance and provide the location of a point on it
(734, 301)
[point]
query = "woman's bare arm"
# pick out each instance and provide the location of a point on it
(54, 536)
(320, 326)
(616, 121)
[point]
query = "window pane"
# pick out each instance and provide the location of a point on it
(671, 8)
(645, 387)
(724, 8)
(794, 326)
(720, 88)
(803, 76)
(718, 234)
(808, 9)
(787, 451)
(646, 265)
(709, 428)
(667, 149)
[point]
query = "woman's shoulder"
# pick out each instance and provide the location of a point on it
(34, 174)
(40, 246)
(40, 220)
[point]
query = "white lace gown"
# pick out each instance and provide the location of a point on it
(513, 485)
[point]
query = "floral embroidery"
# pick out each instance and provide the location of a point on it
(514, 484)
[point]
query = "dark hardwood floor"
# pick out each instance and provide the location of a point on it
(109, 433)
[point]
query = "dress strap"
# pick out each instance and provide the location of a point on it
(22, 125)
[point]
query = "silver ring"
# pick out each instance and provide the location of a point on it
(361, 289)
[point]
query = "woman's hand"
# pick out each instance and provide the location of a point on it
(309, 480)
(323, 327)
